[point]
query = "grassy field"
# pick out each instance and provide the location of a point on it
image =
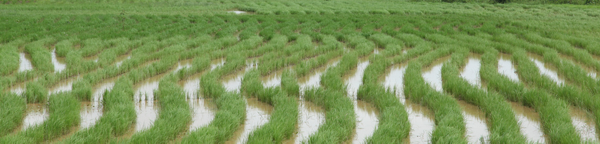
(110, 71)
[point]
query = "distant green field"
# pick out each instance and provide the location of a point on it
(299, 72)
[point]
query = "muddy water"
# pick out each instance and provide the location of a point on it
(121, 59)
(24, 62)
(583, 123)
(506, 67)
(92, 111)
(366, 113)
(184, 64)
(432, 74)
(590, 72)
(146, 107)
(529, 122)
(545, 69)
(35, 114)
(421, 118)
(233, 82)
(59, 64)
(217, 63)
(470, 71)
(257, 114)
(474, 118)
(203, 110)
(237, 12)
(63, 86)
(274, 79)
(310, 115)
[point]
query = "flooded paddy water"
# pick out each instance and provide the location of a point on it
(470, 71)
(545, 69)
(35, 114)
(366, 114)
(24, 62)
(476, 127)
(203, 109)
(59, 63)
(529, 121)
(421, 118)
(92, 111)
(257, 112)
(583, 123)
(590, 72)
(506, 67)
(310, 116)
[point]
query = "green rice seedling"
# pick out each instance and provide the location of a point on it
(450, 125)
(563, 47)
(9, 59)
(284, 118)
(35, 93)
(82, 90)
(117, 118)
(360, 44)
(64, 47)
(340, 119)
(174, 114)
(12, 109)
(553, 117)
(289, 83)
(393, 120)
(40, 56)
(504, 127)
(572, 72)
(304, 67)
(231, 105)
(64, 114)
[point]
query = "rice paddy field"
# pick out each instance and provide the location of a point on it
(274, 71)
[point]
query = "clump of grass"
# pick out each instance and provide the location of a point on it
(174, 114)
(9, 59)
(340, 118)
(118, 116)
(64, 114)
(64, 47)
(40, 55)
(553, 112)
(12, 108)
(393, 120)
(35, 93)
(450, 125)
(504, 127)
(284, 118)
(231, 105)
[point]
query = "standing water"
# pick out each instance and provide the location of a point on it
(92, 111)
(551, 73)
(366, 114)
(471, 71)
(506, 68)
(474, 118)
(583, 124)
(420, 117)
(24, 63)
(310, 115)
(58, 66)
(203, 109)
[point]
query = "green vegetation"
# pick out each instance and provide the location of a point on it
(133, 41)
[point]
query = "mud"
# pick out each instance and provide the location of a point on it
(59, 63)
(203, 110)
(366, 114)
(506, 67)
(470, 71)
(257, 114)
(590, 72)
(121, 59)
(546, 69)
(529, 122)
(92, 111)
(35, 114)
(477, 128)
(475, 120)
(146, 107)
(24, 62)
(421, 118)
(583, 123)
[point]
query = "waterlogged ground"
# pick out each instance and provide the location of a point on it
(231, 24)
